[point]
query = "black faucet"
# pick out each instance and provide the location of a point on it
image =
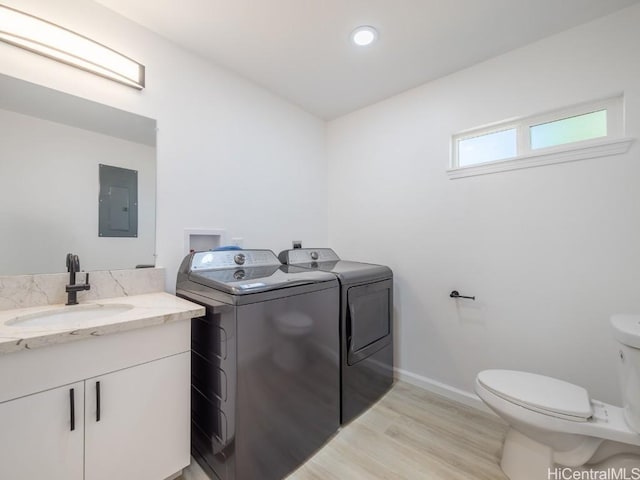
(73, 266)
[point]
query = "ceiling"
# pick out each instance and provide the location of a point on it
(300, 49)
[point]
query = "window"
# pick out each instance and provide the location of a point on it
(487, 147)
(574, 133)
(569, 130)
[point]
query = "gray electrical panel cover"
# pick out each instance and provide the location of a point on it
(118, 202)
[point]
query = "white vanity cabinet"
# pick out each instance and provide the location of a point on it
(143, 426)
(140, 430)
(36, 435)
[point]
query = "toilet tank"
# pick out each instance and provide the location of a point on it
(626, 330)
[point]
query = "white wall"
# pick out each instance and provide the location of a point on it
(550, 252)
(49, 188)
(230, 154)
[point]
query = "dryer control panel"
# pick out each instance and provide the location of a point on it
(216, 260)
(308, 255)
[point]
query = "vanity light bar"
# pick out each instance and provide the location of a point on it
(53, 41)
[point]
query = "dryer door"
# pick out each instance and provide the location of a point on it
(368, 325)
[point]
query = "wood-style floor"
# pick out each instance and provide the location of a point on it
(412, 434)
(409, 434)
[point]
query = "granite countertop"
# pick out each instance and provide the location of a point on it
(137, 311)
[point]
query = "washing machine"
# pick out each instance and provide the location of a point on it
(366, 325)
(265, 383)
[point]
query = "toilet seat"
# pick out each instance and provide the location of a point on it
(541, 394)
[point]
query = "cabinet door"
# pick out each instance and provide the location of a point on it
(143, 427)
(40, 437)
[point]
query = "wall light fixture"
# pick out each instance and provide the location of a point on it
(53, 41)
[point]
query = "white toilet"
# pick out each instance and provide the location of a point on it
(554, 424)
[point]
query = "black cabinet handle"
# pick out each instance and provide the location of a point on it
(72, 407)
(97, 401)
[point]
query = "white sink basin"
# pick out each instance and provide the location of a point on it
(69, 316)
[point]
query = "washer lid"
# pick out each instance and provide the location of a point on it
(626, 329)
(539, 393)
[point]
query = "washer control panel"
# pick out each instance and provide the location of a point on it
(233, 259)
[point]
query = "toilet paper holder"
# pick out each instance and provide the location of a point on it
(456, 294)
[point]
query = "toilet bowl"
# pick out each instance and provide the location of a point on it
(556, 424)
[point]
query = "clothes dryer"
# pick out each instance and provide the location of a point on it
(366, 325)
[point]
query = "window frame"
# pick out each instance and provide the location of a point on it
(611, 144)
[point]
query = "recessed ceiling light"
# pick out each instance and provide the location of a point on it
(364, 35)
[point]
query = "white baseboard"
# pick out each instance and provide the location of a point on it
(442, 389)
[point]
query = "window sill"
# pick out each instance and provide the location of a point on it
(601, 148)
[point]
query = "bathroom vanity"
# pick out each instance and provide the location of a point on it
(98, 390)
(97, 393)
